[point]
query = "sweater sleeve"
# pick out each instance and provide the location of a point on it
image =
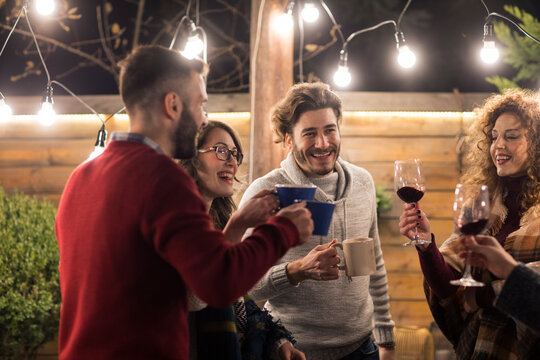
(520, 296)
(182, 234)
(275, 282)
(378, 289)
(436, 271)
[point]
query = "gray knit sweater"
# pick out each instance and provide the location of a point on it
(330, 319)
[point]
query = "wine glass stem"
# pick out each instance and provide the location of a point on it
(467, 272)
(416, 237)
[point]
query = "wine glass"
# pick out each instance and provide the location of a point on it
(471, 214)
(410, 186)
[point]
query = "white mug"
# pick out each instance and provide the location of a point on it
(535, 265)
(359, 256)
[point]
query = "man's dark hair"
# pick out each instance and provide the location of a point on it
(299, 99)
(150, 72)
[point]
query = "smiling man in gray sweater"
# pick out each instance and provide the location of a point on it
(330, 316)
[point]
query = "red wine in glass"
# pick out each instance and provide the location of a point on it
(471, 213)
(409, 194)
(410, 185)
(473, 228)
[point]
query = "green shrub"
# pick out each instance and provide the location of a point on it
(384, 200)
(29, 285)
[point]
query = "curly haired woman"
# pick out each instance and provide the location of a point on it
(504, 155)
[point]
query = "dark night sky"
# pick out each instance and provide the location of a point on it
(446, 36)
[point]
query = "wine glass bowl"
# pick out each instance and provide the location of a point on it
(471, 214)
(410, 186)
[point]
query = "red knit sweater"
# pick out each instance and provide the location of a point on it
(133, 233)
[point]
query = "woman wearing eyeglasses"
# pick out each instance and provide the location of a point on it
(221, 333)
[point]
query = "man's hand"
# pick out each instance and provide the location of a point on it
(319, 264)
(301, 217)
(288, 352)
(387, 354)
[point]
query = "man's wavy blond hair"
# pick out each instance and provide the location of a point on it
(480, 167)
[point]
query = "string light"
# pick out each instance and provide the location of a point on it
(489, 52)
(99, 146)
(310, 13)
(196, 42)
(406, 58)
(284, 22)
(45, 7)
(47, 115)
(194, 47)
(5, 110)
(342, 77)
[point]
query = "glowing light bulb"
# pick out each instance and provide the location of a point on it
(489, 53)
(406, 57)
(45, 7)
(5, 111)
(310, 13)
(98, 150)
(194, 47)
(284, 23)
(99, 146)
(342, 77)
(47, 115)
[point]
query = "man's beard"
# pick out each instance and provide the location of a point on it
(185, 135)
(302, 160)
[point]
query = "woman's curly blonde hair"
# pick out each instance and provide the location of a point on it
(481, 169)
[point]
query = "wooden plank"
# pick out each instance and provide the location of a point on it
(36, 180)
(411, 313)
(406, 286)
(440, 149)
(389, 231)
(44, 152)
(439, 176)
(402, 123)
(400, 259)
(87, 126)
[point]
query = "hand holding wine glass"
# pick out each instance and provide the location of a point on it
(410, 186)
(471, 214)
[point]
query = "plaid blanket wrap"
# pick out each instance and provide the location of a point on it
(487, 333)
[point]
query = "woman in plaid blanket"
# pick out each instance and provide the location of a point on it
(241, 331)
(504, 155)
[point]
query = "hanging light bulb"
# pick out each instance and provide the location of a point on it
(310, 13)
(47, 115)
(406, 57)
(45, 7)
(489, 53)
(342, 77)
(194, 47)
(99, 146)
(5, 111)
(284, 22)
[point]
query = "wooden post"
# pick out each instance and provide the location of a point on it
(270, 77)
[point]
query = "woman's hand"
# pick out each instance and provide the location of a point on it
(254, 212)
(413, 217)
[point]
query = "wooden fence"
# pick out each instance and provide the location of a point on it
(38, 160)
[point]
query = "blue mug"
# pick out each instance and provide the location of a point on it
(321, 213)
(288, 194)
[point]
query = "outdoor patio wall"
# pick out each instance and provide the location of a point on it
(38, 160)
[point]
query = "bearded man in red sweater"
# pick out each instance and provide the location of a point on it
(133, 231)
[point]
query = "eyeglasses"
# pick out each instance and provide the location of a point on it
(223, 153)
